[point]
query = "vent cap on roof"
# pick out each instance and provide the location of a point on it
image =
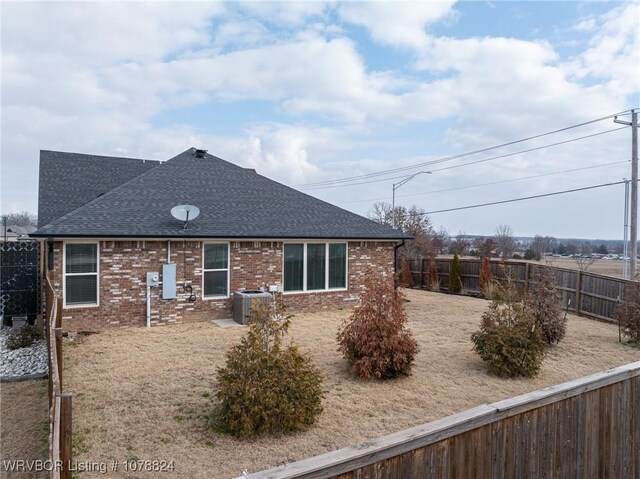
(200, 153)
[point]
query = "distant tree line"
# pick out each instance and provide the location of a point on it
(429, 241)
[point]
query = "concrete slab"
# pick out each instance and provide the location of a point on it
(226, 323)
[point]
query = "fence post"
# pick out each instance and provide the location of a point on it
(66, 409)
(421, 273)
(578, 288)
(527, 273)
(58, 358)
(58, 318)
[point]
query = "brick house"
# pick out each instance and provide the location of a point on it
(106, 222)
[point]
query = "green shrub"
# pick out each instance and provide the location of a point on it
(265, 387)
(628, 313)
(509, 340)
(21, 337)
(543, 303)
(455, 279)
(374, 339)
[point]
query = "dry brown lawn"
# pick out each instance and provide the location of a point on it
(600, 266)
(24, 425)
(147, 394)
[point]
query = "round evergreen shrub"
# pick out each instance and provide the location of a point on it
(509, 340)
(266, 387)
(374, 339)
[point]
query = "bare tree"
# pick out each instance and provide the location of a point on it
(413, 221)
(22, 218)
(382, 213)
(505, 242)
(541, 245)
(484, 246)
(460, 244)
(441, 241)
(584, 262)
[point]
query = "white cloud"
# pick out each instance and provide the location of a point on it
(243, 33)
(396, 23)
(99, 33)
(614, 51)
(289, 13)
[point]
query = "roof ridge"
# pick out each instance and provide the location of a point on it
(99, 197)
(101, 156)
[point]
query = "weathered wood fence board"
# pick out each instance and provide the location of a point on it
(60, 404)
(588, 294)
(589, 427)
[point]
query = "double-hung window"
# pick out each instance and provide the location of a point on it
(215, 270)
(315, 266)
(81, 274)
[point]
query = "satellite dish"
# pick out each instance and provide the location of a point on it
(185, 213)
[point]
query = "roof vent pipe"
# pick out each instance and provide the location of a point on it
(200, 153)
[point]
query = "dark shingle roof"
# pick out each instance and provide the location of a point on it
(234, 202)
(70, 180)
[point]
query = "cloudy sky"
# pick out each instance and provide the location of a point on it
(319, 92)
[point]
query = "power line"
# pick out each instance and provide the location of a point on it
(461, 155)
(603, 185)
(493, 182)
(506, 155)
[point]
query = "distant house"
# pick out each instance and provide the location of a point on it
(15, 232)
(106, 223)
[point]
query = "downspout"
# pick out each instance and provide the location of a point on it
(395, 262)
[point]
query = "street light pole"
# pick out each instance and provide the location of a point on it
(397, 185)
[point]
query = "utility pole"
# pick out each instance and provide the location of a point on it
(633, 251)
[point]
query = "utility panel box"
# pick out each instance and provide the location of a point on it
(152, 279)
(169, 281)
(244, 301)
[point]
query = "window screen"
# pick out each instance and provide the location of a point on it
(216, 269)
(81, 274)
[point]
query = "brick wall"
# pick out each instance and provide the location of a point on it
(253, 265)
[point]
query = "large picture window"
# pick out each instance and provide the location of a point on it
(215, 270)
(81, 274)
(315, 266)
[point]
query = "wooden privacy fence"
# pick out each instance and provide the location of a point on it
(590, 294)
(60, 404)
(589, 427)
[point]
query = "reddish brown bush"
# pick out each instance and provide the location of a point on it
(406, 279)
(543, 303)
(433, 283)
(374, 339)
(485, 276)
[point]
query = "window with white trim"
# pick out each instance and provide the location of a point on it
(81, 274)
(215, 270)
(315, 266)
